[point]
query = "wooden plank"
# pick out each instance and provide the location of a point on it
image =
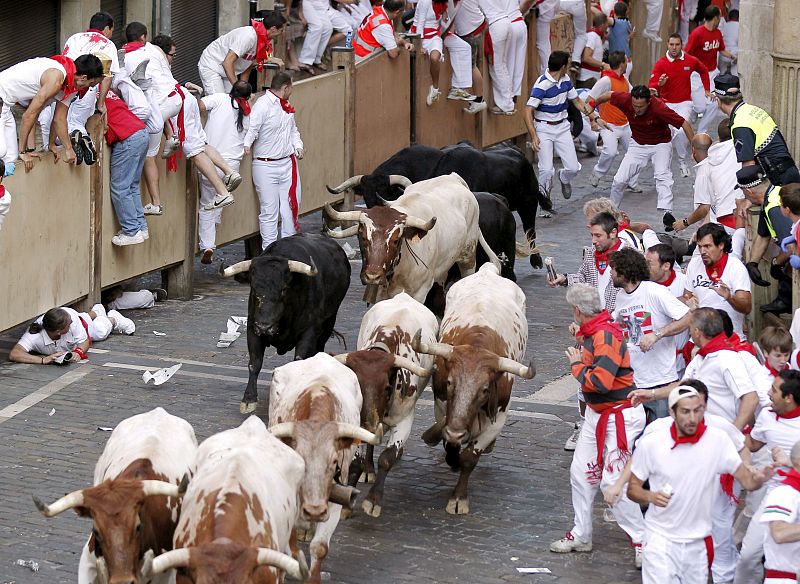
(179, 279)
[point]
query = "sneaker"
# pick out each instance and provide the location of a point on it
(566, 189)
(139, 75)
(634, 188)
(569, 544)
(476, 107)
(219, 202)
(637, 560)
(232, 181)
(501, 112)
(433, 95)
(89, 151)
(122, 239)
(594, 180)
(99, 310)
(572, 441)
(159, 294)
(458, 93)
(145, 233)
(75, 138)
(123, 324)
(208, 254)
(151, 209)
(685, 172)
(668, 220)
(171, 146)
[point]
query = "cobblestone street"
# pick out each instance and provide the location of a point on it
(520, 495)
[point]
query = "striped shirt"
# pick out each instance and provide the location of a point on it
(605, 372)
(549, 98)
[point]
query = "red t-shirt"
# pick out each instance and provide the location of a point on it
(122, 123)
(705, 44)
(653, 126)
(678, 87)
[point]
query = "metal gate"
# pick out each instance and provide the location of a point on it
(194, 27)
(23, 35)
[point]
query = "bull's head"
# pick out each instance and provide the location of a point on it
(374, 188)
(381, 232)
(224, 560)
(322, 445)
(276, 285)
(471, 377)
(116, 508)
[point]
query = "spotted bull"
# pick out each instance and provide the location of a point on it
(482, 339)
(391, 376)
(134, 503)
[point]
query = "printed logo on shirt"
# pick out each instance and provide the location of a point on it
(700, 282)
(711, 45)
(636, 325)
(686, 68)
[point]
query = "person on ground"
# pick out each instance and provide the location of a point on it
(592, 64)
(118, 298)
(470, 24)
(378, 32)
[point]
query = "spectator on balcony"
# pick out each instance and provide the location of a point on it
(37, 82)
(322, 20)
(498, 49)
(226, 126)
(577, 10)
(378, 31)
(428, 23)
(355, 11)
(470, 24)
(231, 57)
(592, 59)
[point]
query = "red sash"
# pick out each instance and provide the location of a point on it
(86, 327)
(172, 161)
(728, 220)
(595, 471)
(293, 195)
(780, 574)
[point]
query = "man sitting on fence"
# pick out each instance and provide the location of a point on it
(377, 31)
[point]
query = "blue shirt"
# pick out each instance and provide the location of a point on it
(549, 98)
(618, 36)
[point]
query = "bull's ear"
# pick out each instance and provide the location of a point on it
(82, 511)
(414, 232)
(344, 443)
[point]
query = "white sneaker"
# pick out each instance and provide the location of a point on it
(572, 441)
(476, 107)
(594, 180)
(232, 181)
(123, 239)
(219, 202)
(433, 95)
(171, 146)
(145, 233)
(634, 188)
(458, 93)
(569, 544)
(151, 209)
(123, 324)
(99, 310)
(685, 172)
(637, 560)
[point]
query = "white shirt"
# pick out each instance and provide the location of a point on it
(134, 98)
(494, 10)
(594, 42)
(761, 378)
(774, 431)
(647, 309)
(734, 276)
(21, 82)
(781, 504)
(42, 343)
(730, 34)
(221, 127)
(272, 132)
(242, 41)
(725, 376)
(425, 18)
(92, 43)
(717, 186)
(692, 470)
(512, 9)
(711, 420)
(549, 98)
(158, 69)
(468, 17)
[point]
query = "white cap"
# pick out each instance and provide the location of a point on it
(681, 392)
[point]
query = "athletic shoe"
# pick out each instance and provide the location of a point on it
(568, 544)
(458, 93)
(232, 181)
(123, 239)
(75, 138)
(634, 188)
(159, 294)
(145, 233)
(637, 560)
(476, 107)
(572, 441)
(501, 112)
(151, 209)
(208, 254)
(219, 202)
(685, 172)
(139, 75)
(123, 324)
(99, 310)
(594, 180)
(668, 220)
(566, 189)
(433, 95)
(89, 151)
(171, 146)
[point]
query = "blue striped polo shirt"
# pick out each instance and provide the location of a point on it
(549, 97)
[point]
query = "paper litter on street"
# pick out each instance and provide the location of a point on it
(534, 570)
(159, 334)
(34, 566)
(52, 412)
(226, 338)
(105, 429)
(161, 375)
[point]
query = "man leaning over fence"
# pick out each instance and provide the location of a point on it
(377, 31)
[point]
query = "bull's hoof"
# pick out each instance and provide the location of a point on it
(346, 513)
(247, 407)
(370, 508)
(367, 477)
(305, 534)
(457, 506)
(536, 261)
(490, 447)
(433, 435)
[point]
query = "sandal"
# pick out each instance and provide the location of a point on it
(306, 69)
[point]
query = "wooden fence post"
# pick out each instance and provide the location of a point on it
(179, 279)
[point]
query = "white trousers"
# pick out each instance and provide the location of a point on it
(213, 82)
(543, 41)
(210, 218)
(626, 512)
(588, 138)
(668, 562)
(132, 300)
(708, 107)
(688, 12)
(460, 57)
(196, 139)
(80, 110)
(635, 160)
(5, 207)
(612, 138)
(518, 42)
(679, 139)
(273, 181)
(655, 8)
(723, 510)
(498, 70)
(749, 568)
(556, 138)
(577, 9)
(322, 21)
(9, 139)
(101, 326)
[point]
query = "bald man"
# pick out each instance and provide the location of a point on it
(700, 145)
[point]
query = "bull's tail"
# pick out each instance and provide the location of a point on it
(525, 249)
(489, 251)
(339, 337)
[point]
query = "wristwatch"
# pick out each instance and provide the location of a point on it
(658, 334)
(686, 222)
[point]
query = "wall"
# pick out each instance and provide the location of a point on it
(755, 47)
(786, 72)
(644, 51)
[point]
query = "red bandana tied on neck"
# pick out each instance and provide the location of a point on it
(718, 343)
(693, 439)
(134, 46)
(69, 80)
(263, 44)
(244, 105)
(772, 371)
(739, 345)
(670, 279)
(795, 413)
(601, 257)
(2, 191)
(287, 107)
(791, 478)
(601, 322)
(715, 270)
(439, 8)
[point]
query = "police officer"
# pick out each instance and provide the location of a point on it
(757, 138)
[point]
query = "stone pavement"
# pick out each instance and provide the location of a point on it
(520, 497)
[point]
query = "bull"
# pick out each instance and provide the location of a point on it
(391, 376)
(501, 169)
(315, 408)
(296, 287)
(134, 501)
(237, 522)
(482, 339)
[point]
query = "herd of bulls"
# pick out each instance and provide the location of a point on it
(233, 508)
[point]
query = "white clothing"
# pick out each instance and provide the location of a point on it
(21, 82)
(547, 11)
(595, 43)
(5, 206)
(493, 10)
(730, 34)
(655, 8)
(734, 276)
(711, 420)
(761, 377)
(774, 431)
(242, 41)
(221, 129)
(500, 30)
(133, 300)
(611, 145)
(646, 310)
(794, 330)
(689, 11)
(139, 104)
(725, 376)
(577, 9)
(556, 138)
(92, 43)
(210, 218)
(196, 139)
(671, 562)
(782, 504)
(213, 82)
(272, 132)
(468, 18)
(460, 51)
(718, 185)
(41, 343)
(322, 20)
(708, 123)
(635, 160)
(518, 48)
(384, 34)
(549, 97)
(273, 182)
(679, 139)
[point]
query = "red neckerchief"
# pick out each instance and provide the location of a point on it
(693, 439)
(133, 46)
(791, 478)
(622, 224)
(287, 107)
(97, 35)
(739, 345)
(601, 322)
(595, 472)
(2, 191)
(244, 105)
(686, 352)
(670, 279)
(596, 31)
(718, 343)
(715, 270)
(601, 257)
(69, 67)
(263, 44)
(791, 414)
(439, 8)
(772, 371)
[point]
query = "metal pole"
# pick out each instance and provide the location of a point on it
(165, 17)
(253, 8)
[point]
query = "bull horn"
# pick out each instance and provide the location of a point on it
(358, 433)
(302, 268)
(283, 430)
(349, 232)
(237, 268)
(73, 499)
(341, 215)
(408, 364)
(152, 488)
(351, 182)
(170, 560)
(439, 349)
(344, 496)
(268, 557)
(341, 358)
(516, 368)
(399, 180)
(420, 224)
